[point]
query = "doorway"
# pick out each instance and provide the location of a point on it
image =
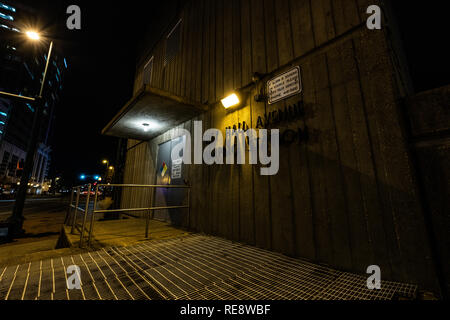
(170, 172)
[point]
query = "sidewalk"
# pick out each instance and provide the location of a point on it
(194, 267)
(42, 233)
(125, 232)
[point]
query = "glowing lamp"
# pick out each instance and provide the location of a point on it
(231, 101)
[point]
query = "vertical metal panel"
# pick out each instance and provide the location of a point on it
(284, 31)
(281, 205)
(323, 21)
(346, 15)
(237, 51)
(228, 46)
(271, 36)
(262, 194)
(205, 52)
(246, 197)
(303, 208)
(258, 37)
(322, 234)
(186, 45)
(302, 29)
(212, 53)
(219, 49)
(246, 41)
(197, 80)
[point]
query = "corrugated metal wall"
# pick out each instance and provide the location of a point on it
(348, 196)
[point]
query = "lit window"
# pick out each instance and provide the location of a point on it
(6, 7)
(6, 17)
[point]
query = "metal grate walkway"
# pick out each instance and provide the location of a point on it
(197, 267)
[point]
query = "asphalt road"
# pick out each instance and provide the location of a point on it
(34, 206)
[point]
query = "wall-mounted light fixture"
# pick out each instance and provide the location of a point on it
(150, 125)
(231, 101)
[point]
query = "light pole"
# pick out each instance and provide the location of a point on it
(16, 220)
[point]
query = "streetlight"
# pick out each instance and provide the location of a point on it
(16, 220)
(33, 35)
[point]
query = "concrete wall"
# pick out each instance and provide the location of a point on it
(429, 120)
(348, 196)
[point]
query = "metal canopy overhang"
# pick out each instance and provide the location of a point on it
(156, 107)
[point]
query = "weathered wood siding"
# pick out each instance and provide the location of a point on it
(348, 196)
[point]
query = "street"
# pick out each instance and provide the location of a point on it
(33, 206)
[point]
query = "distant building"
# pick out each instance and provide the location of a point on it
(22, 65)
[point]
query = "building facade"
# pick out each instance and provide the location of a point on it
(21, 68)
(347, 192)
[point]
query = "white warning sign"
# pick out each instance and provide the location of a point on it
(284, 86)
(176, 168)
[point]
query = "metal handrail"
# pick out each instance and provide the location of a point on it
(140, 209)
(82, 228)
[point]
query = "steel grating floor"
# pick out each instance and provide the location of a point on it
(197, 267)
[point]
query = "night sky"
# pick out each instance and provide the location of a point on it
(102, 58)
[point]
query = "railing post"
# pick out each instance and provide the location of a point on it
(91, 227)
(76, 211)
(69, 209)
(86, 210)
(189, 207)
(147, 220)
(147, 223)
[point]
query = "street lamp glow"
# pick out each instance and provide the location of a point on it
(111, 168)
(33, 35)
(105, 161)
(82, 177)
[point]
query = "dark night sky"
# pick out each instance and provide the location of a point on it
(99, 80)
(102, 63)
